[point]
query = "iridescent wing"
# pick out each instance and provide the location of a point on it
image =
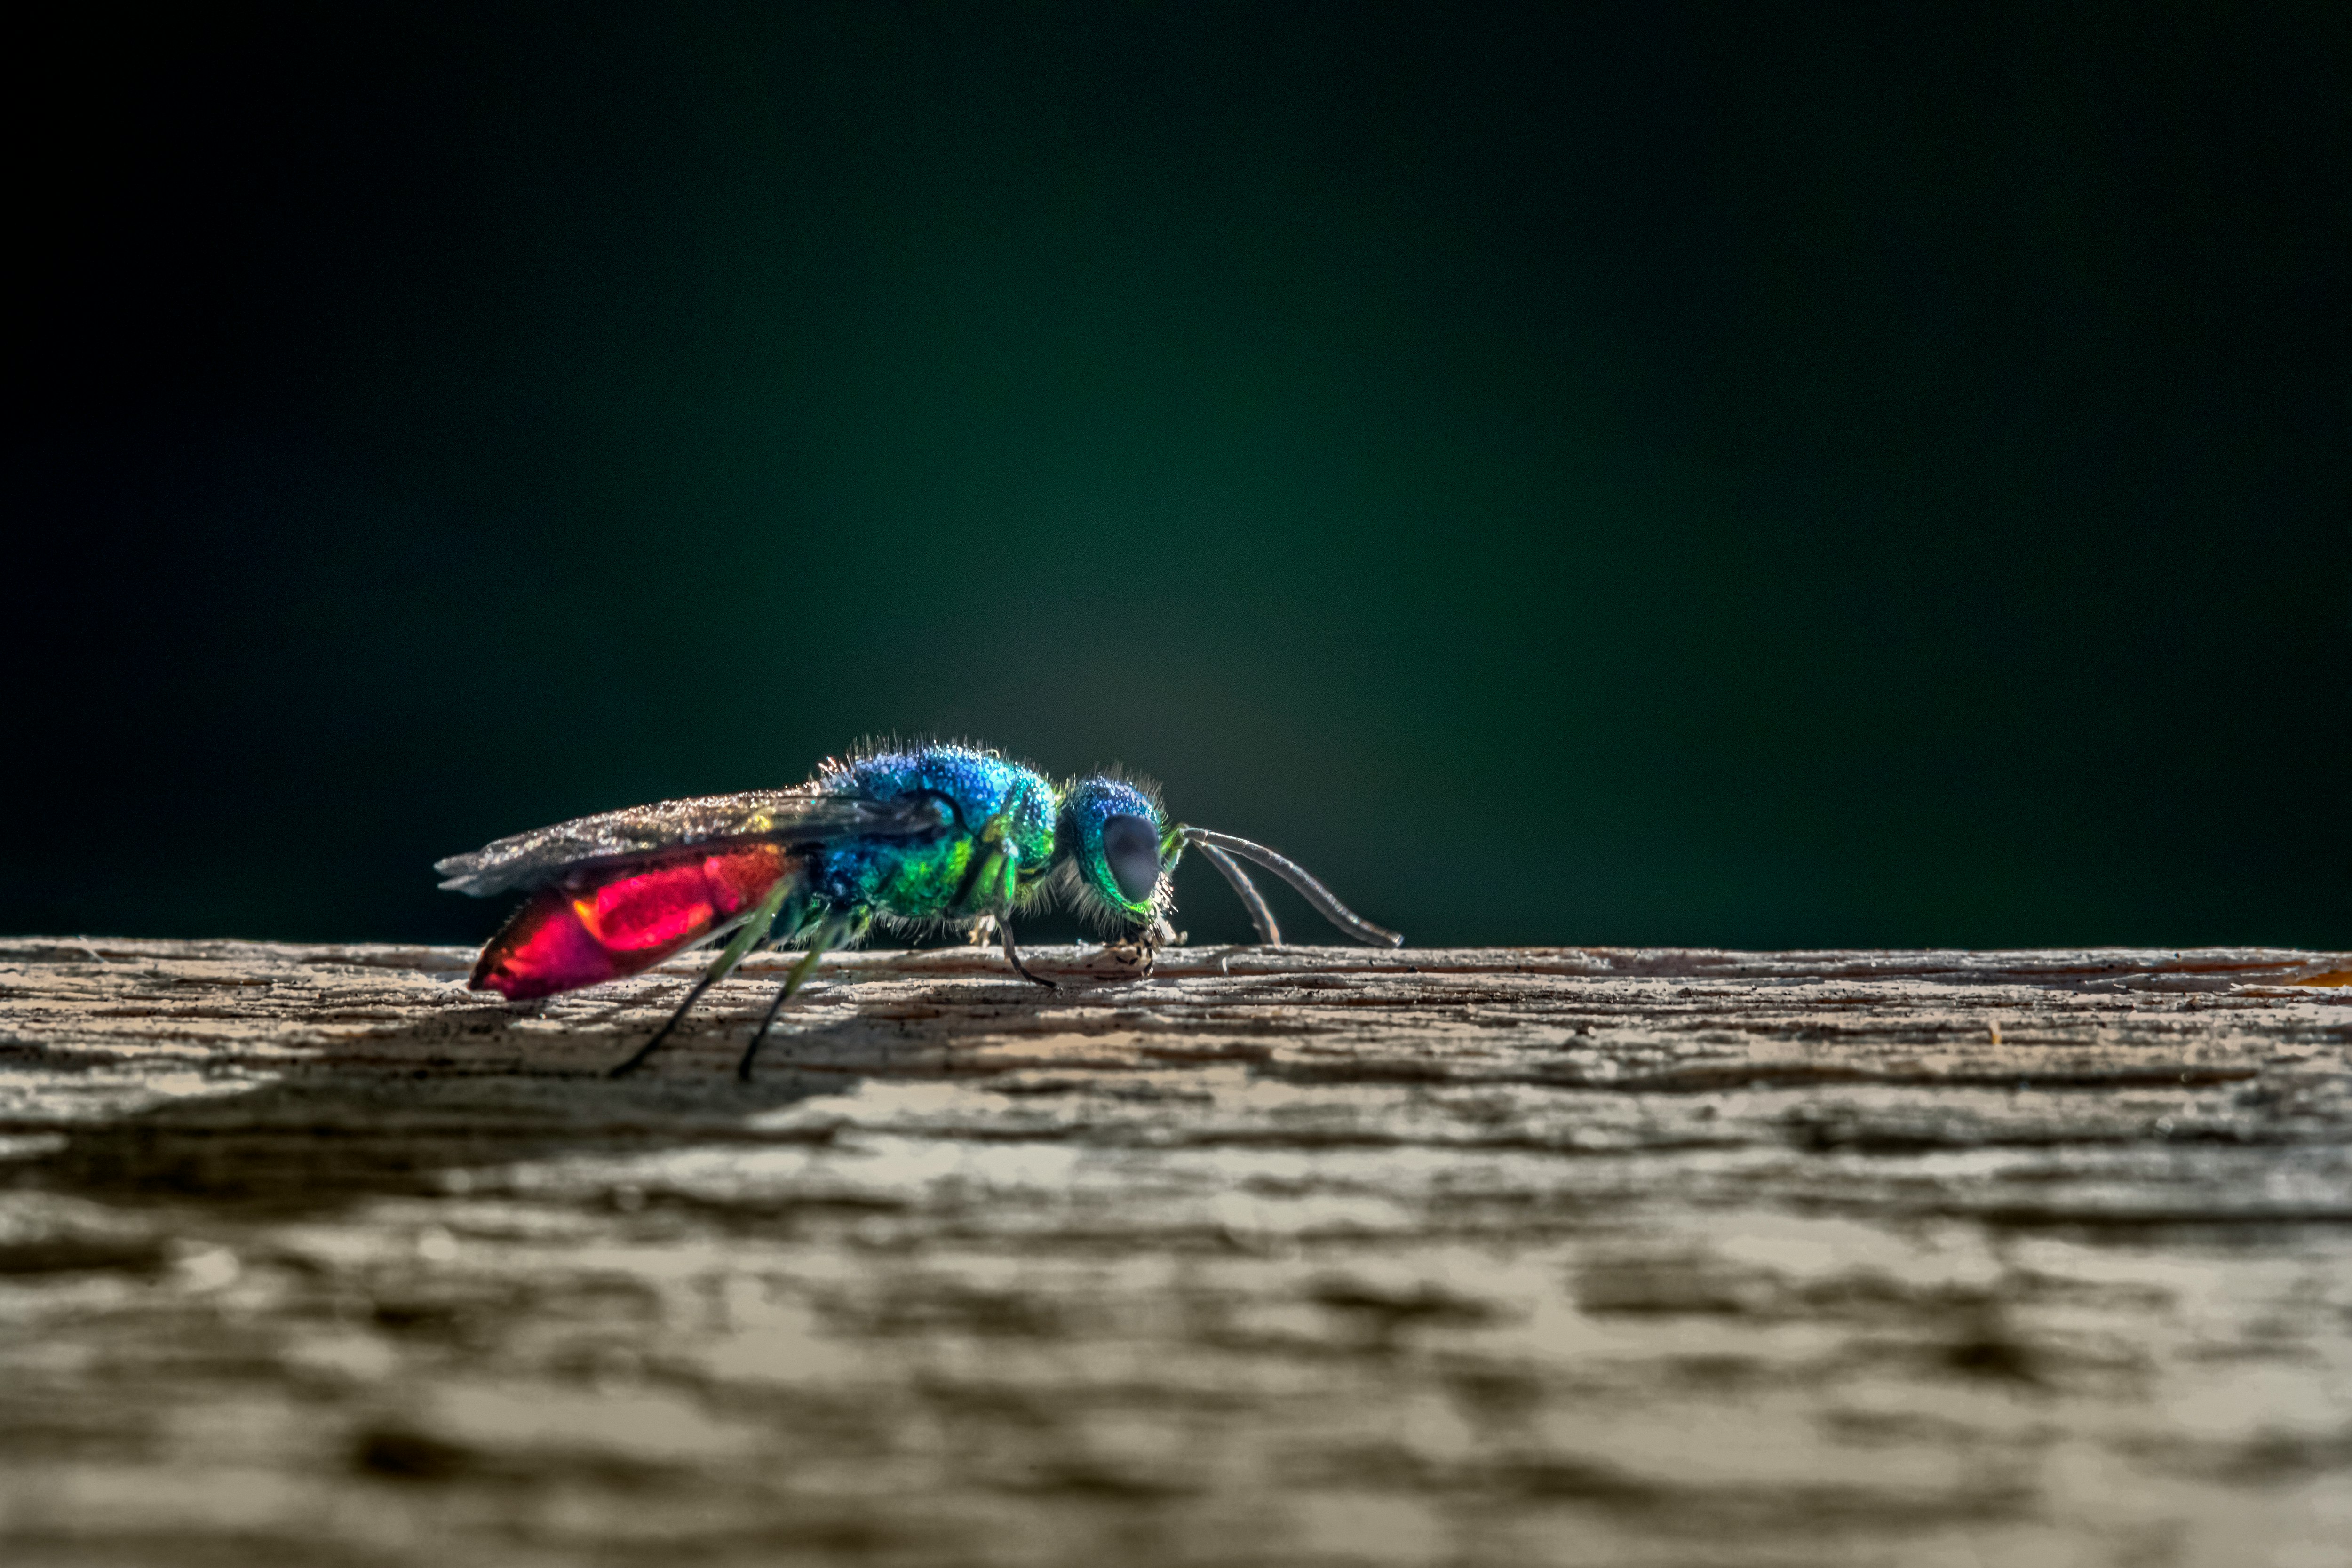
(778, 815)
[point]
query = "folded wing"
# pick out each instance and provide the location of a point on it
(612, 839)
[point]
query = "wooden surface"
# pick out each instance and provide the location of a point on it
(1316, 1256)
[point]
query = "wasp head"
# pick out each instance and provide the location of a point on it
(1119, 849)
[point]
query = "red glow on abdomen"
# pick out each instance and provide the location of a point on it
(575, 934)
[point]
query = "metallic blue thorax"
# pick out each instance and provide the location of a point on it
(997, 834)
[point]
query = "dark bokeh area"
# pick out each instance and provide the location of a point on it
(1625, 476)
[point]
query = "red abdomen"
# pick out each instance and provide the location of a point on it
(581, 931)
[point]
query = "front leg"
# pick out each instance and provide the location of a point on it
(1012, 957)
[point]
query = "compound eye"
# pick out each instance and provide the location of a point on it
(1132, 847)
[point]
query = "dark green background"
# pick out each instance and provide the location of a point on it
(1622, 476)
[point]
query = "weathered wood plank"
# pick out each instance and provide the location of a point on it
(1489, 1256)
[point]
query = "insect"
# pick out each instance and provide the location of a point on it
(934, 836)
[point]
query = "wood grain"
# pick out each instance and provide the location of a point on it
(309, 1255)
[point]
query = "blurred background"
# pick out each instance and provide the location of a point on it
(1624, 474)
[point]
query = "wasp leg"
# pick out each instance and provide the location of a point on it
(1012, 957)
(828, 936)
(980, 878)
(638, 1057)
(754, 932)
